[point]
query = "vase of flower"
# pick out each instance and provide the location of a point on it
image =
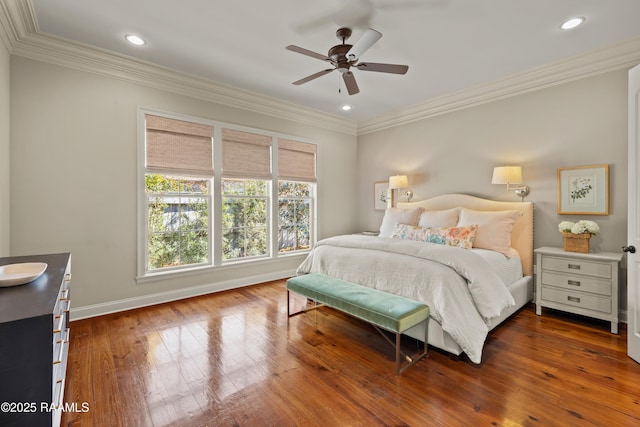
(577, 236)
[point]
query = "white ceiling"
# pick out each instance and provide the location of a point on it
(449, 45)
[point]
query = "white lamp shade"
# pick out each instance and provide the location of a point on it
(507, 175)
(398, 181)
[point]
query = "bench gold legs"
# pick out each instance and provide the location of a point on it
(400, 355)
(303, 309)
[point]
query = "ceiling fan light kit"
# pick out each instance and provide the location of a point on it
(344, 56)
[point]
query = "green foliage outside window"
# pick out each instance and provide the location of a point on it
(178, 221)
(294, 212)
(244, 219)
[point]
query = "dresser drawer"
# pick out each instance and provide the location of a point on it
(576, 299)
(60, 355)
(577, 283)
(576, 266)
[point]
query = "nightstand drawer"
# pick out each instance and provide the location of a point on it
(576, 266)
(577, 299)
(577, 283)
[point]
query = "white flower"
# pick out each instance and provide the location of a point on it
(580, 227)
(565, 226)
(590, 226)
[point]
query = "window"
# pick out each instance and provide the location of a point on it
(246, 167)
(178, 221)
(178, 172)
(296, 164)
(244, 219)
(294, 215)
(193, 217)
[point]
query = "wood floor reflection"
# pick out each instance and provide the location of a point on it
(235, 359)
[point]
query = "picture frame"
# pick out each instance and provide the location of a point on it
(583, 190)
(381, 196)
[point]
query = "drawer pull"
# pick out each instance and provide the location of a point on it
(573, 299)
(61, 355)
(573, 282)
(573, 266)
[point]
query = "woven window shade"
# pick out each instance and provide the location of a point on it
(178, 147)
(296, 160)
(245, 155)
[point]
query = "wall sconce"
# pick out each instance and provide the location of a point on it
(398, 182)
(510, 175)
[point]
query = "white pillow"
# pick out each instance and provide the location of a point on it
(439, 219)
(494, 228)
(393, 216)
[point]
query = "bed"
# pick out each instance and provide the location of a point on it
(470, 290)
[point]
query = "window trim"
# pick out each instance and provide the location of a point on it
(216, 261)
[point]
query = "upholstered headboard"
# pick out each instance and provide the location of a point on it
(522, 234)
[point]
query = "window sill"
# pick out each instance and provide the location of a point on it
(205, 269)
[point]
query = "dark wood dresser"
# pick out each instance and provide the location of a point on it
(34, 343)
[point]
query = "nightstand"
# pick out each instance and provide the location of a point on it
(578, 283)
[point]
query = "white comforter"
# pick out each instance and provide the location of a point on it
(459, 287)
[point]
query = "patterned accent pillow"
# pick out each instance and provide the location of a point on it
(461, 237)
(410, 232)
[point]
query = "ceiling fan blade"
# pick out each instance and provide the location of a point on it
(367, 40)
(307, 52)
(413, 4)
(383, 68)
(313, 76)
(350, 83)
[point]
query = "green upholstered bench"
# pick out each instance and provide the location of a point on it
(383, 310)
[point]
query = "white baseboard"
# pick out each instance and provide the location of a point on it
(94, 310)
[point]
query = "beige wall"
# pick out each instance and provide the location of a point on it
(73, 166)
(578, 123)
(73, 179)
(5, 137)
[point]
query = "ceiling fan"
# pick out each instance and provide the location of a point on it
(344, 56)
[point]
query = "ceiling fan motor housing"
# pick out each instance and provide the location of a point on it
(338, 55)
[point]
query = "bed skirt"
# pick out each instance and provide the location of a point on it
(522, 292)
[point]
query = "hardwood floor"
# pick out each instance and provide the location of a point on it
(235, 359)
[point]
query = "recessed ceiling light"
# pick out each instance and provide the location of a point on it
(133, 39)
(346, 107)
(572, 23)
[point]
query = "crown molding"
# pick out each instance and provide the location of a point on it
(17, 19)
(19, 31)
(615, 57)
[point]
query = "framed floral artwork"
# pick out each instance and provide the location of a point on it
(380, 195)
(583, 190)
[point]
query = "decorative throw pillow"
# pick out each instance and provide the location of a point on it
(410, 232)
(443, 218)
(494, 228)
(393, 216)
(461, 237)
